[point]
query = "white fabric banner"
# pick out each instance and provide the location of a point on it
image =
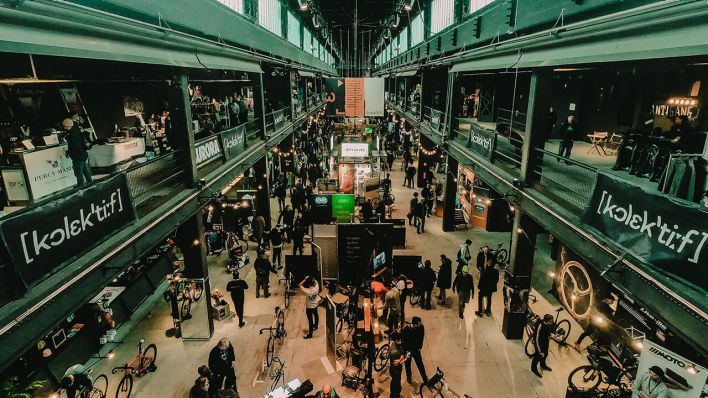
(373, 96)
(48, 171)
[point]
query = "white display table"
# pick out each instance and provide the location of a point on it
(111, 154)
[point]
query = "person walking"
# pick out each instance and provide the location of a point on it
(463, 256)
(276, 244)
(604, 312)
(287, 218)
(413, 336)
(200, 389)
(483, 257)
(541, 337)
(410, 173)
(420, 215)
(263, 269)
(258, 226)
(243, 111)
(444, 278)
(487, 285)
(299, 230)
(311, 288)
(569, 133)
(412, 209)
(77, 148)
(464, 285)
(327, 392)
(398, 357)
(236, 287)
(426, 283)
(221, 363)
(280, 192)
(392, 308)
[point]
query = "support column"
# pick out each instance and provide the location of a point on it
(181, 134)
(517, 280)
(263, 195)
(259, 110)
(454, 105)
(535, 134)
(448, 222)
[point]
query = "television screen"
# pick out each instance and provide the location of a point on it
(379, 260)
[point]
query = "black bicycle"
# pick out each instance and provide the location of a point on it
(275, 332)
(97, 390)
(500, 255)
(604, 367)
(561, 330)
(437, 387)
(288, 280)
(277, 374)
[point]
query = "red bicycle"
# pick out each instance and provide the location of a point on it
(141, 364)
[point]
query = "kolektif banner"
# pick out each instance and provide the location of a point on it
(42, 238)
(482, 141)
(207, 150)
(435, 119)
(683, 378)
(278, 119)
(233, 141)
(664, 231)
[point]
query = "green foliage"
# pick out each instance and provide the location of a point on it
(12, 388)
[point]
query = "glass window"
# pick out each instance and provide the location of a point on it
(269, 16)
(293, 29)
(403, 40)
(477, 4)
(417, 32)
(442, 15)
(307, 41)
(236, 5)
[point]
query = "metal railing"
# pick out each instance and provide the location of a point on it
(515, 123)
(568, 182)
(157, 178)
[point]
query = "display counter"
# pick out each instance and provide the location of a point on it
(113, 153)
(47, 170)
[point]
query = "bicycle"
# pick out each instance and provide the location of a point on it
(604, 367)
(561, 330)
(500, 255)
(189, 293)
(288, 280)
(437, 387)
(98, 390)
(145, 360)
(277, 374)
(276, 332)
(383, 353)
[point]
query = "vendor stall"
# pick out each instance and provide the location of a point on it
(47, 170)
(116, 151)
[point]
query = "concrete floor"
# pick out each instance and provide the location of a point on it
(473, 353)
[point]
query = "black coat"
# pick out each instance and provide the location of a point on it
(488, 279)
(464, 285)
(445, 274)
(412, 337)
(76, 144)
(481, 258)
(426, 279)
(219, 365)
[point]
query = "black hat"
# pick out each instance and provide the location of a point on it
(657, 371)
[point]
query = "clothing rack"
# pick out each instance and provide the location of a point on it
(673, 157)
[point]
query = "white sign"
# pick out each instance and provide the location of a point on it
(109, 293)
(683, 378)
(48, 171)
(207, 150)
(355, 150)
(374, 96)
(15, 185)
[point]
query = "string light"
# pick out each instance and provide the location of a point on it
(426, 152)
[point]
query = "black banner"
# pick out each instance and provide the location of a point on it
(278, 119)
(321, 211)
(207, 150)
(664, 231)
(234, 141)
(435, 119)
(335, 96)
(357, 244)
(482, 141)
(43, 238)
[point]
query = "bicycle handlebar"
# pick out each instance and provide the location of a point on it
(119, 368)
(270, 329)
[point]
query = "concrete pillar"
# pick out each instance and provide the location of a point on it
(517, 280)
(181, 134)
(262, 201)
(448, 222)
(535, 134)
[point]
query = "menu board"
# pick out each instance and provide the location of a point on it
(357, 244)
(354, 102)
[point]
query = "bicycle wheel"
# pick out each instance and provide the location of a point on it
(584, 378)
(147, 360)
(560, 335)
(286, 298)
(100, 386)
(197, 293)
(270, 351)
(243, 244)
(185, 308)
(391, 199)
(529, 348)
(340, 324)
(281, 324)
(125, 387)
(502, 256)
(427, 391)
(414, 298)
(381, 359)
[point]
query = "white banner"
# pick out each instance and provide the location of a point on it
(109, 293)
(373, 96)
(683, 378)
(15, 186)
(355, 150)
(48, 171)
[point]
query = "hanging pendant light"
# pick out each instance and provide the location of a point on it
(396, 20)
(316, 21)
(408, 5)
(303, 4)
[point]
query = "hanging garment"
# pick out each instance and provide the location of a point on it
(682, 178)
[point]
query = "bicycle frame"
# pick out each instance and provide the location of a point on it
(128, 368)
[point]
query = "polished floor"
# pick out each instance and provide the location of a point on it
(473, 353)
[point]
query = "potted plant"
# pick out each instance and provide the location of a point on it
(13, 388)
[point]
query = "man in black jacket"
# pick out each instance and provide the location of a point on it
(487, 284)
(569, 133)
(287, 218)
(541, 338)
(413, 337)
(221, 362)
(464, 285)
(263, 268)
(483, 257)
(410, 173)
(412, 210)
(444, 277)
(236, 287)
(77, 150)
(426, 283)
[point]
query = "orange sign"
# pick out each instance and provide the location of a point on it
(354, 103)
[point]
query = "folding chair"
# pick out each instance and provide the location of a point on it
(597, 139)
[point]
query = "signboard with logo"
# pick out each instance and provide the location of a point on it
(107, 295)
(435, 119)
(682, 378)
(342, 207)
(207, 150)
(664, 231)
(482, 141)
(40, 239)
(233, 141)
(278, 119)
(48, 170)
(354, 150)
(357, 245)
(15, 185)
(321, 211)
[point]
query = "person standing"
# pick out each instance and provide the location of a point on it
(551, 119)
(410, 173)
(569, 133)
(221, 362)
(444, 278)
(426, 283)
(464, 285)
(287, 218)
(420, 215)
(280, 193)
(258, 227)
(299, 230)
(236, 287)
(413, 336)
(463, 256)
(243, 111)
(541, 338)
(276, 244)
(234, 111)
(604, 311)
(398, 357)
(483, 257)
(650, 384)
(77, 148)
(412, 209)
(311, 288)
(263, 269)
(76, 379)
(487, 284)
(392, 306)
(200, 389)
(326, 392)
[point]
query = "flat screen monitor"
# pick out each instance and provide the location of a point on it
(379, 260)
